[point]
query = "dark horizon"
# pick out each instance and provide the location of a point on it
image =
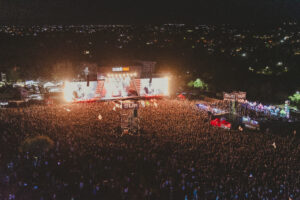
(154, 12)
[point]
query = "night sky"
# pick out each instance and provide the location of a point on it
(145, 11)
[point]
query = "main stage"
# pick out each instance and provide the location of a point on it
(117, 83)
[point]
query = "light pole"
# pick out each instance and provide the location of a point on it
(86, 72)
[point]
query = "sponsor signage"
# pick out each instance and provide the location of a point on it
(120, 69)
(130, 105)
(229, 96)
(234, 96)
(241, 95)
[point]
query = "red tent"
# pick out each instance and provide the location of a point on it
(181, 96)
(215, 122)
(220, 123)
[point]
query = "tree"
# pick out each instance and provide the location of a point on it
(198, 83)
(295, 98)
(191, 84)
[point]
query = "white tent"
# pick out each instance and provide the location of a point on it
(49, 84)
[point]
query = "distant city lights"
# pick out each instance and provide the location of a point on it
(279, 64)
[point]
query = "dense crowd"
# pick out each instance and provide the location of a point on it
(176, 155)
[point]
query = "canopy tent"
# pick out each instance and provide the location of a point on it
(220, 123)
(49, 84)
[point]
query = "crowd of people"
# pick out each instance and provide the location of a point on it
(176, 155)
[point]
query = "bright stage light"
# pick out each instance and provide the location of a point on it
(68, 92)
(167, 91)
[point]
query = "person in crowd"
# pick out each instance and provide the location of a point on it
(177, 155)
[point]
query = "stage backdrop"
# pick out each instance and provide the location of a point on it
(115, 88)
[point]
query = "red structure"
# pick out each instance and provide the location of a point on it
(220, 123)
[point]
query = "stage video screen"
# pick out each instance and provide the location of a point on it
(119, 87)
(158, 87)
(79, 91)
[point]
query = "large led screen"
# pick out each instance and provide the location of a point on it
(118, 87)
(158, 87)
(79, 91)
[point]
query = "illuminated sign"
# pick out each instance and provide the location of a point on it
(234, 96)
(120, 69)
(130, 105)
(117, 69)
